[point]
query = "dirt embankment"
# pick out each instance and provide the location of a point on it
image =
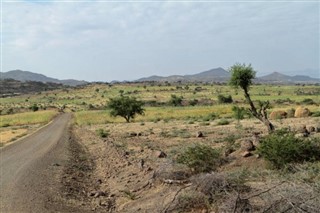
(102, 177)
(125, 172)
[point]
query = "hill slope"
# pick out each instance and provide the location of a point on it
(221, 75)
(23, 76)
(9, 87)
(213, 75)
(277, 77)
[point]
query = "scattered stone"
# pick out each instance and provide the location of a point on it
(140, 134)
(160, 154)
(99, 181)
(99, 193)
(133, 134)
(91, 194)
(149, 169)
(311, 129)
(228, 151)
(247, 145)
(246, 154)
(200, 134)
(303, 130)
(258, 156)
(301, 112)
(141, 164)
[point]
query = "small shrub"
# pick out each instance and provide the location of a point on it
(223, 122)
(210, 117)
(224, 99)
(91, 107)
(282, 147)
(9, 111)
(193, 102)
(201, 158)
(316, 114)
(308, 101)
(290, 113)
(175, 100)
(238, 112)
(102, 133)
(193, 200)
(191, 122)
(129, 194)
(5, 125)
(34, 108)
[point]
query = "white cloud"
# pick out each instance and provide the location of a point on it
(105, 41)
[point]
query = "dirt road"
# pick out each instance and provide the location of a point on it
(29, 168)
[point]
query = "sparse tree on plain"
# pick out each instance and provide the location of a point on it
(242, 76)
(126, 107)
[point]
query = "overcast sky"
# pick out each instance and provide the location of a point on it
(105, 41)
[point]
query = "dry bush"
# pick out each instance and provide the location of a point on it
(171, 171)
(191, 201)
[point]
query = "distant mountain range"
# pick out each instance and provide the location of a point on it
(24, 76)
(279, 77)
(213, 75)
(221, 75)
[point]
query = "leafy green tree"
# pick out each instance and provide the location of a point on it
(242, 76)
(126, 107)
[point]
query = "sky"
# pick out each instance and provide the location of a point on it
(127, 40)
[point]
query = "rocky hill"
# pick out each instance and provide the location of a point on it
(277, 77)
(11, 87)
(221, 75)
(213, 75)
(24, 76)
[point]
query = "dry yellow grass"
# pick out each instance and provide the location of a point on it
(27, 118)
(10, 135)
(153, 114)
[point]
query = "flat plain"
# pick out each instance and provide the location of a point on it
(137, 166)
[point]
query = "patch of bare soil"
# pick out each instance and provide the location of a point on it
(133, 170)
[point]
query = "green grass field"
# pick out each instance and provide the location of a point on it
(89, 103)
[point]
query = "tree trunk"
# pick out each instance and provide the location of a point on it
(268, 124)
(260, 116)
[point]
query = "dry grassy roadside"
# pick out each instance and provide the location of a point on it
(130, 177)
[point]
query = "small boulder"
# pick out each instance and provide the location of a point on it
(200, 134)
(311, 129)
(278, 114)
(133, 134)
(247, 145)
(302, 129)
(160, 154)
(301, 112)
(246, 154)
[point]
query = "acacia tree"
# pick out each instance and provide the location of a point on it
(242, 76)
(126, 107)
